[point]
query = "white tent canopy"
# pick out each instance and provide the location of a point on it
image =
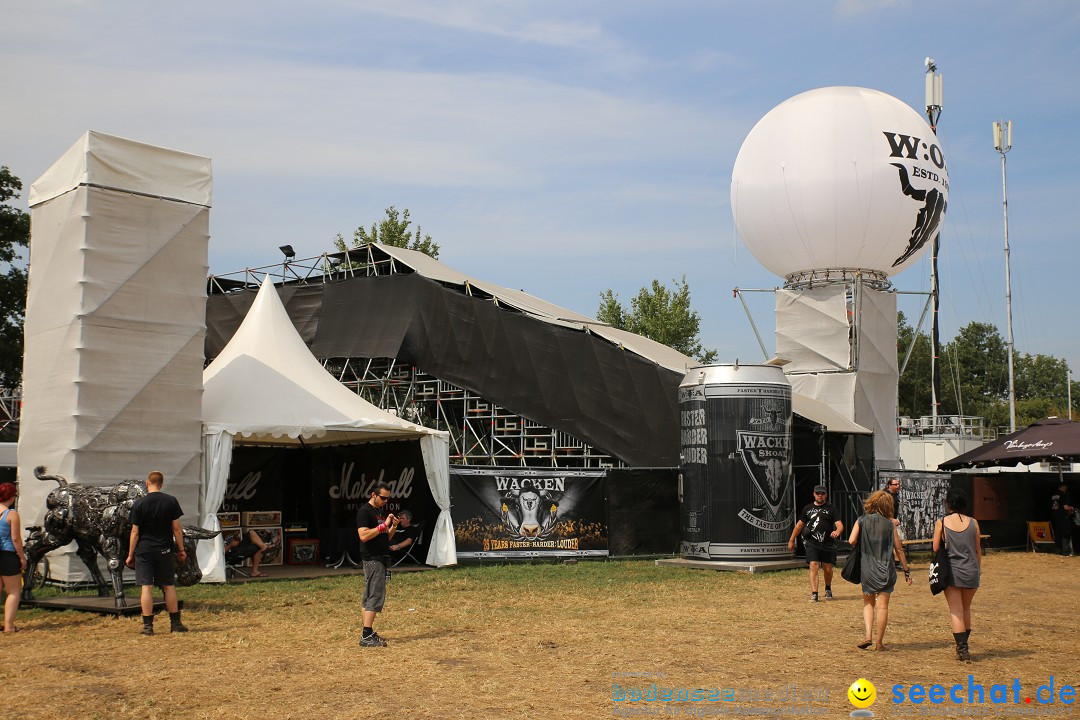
(267, 388)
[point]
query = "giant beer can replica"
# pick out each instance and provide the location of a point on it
(735, 469)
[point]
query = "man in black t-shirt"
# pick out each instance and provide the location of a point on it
(155, 524)
(376, 528)
(820, 525)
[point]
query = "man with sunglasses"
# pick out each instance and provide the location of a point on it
(375, 527)
(820, 525)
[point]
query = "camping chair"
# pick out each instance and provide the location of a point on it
(1040, 533)
(417, 542)
(236, 568)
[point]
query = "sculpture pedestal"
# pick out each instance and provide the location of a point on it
(103, 605)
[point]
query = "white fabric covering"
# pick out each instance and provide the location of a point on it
(115, 323)
(108, 161)
(813, 330)
(217, 453)
(265, 387)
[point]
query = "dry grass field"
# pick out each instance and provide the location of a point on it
(539, 641)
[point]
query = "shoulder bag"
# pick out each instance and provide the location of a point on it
(852, 570)
(940, 569)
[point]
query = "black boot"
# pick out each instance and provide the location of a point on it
(174, 623)
(147, 624)
(962, 652)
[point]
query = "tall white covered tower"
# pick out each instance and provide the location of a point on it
(836, 190)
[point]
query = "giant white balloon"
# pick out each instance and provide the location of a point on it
(839, 178)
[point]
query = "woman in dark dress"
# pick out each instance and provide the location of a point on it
(961, 536)
(878, 539)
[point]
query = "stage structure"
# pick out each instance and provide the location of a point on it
(115, 322)
(518, 383)
(836, 190)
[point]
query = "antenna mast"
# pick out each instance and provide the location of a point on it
(1003, 143)
(934, 103)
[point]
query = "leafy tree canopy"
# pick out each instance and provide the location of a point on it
(14, 236)
(392, 230)
(975, 378)
(659, 313)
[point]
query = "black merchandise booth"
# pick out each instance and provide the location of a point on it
(309, 494)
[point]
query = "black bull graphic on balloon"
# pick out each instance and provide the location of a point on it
(528, 512)
(930, 214)
(97, 520)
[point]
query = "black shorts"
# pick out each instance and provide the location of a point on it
(155, 567)
(820, 554)
(241, 552)
(9, 563)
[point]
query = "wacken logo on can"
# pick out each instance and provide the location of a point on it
(767, 459)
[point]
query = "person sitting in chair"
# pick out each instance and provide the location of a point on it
(239, 549)
(404, 538)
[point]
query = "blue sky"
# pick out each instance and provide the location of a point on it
(565, 147)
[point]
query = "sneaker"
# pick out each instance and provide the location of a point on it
(813, 597)
(372, 640)
(828, 594)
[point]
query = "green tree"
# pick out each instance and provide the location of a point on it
(392, 230)
(14, 236)
(660, 314)
(914, 394)
(975, 375)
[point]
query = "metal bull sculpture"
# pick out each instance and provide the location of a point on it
(98, 520)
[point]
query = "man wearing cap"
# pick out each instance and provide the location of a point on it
(820, 525)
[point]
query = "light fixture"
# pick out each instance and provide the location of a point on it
(288, 251)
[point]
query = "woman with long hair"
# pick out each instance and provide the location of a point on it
(878, 539)
(960, 533)
(12, 558)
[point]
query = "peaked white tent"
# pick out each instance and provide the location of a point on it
(267, 388)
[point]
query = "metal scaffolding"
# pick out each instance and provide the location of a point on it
(481, 432)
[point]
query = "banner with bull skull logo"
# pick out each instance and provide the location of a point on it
(516, 512)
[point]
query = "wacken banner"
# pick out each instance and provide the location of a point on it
(519, 513)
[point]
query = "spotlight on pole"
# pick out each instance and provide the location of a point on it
(288, 251)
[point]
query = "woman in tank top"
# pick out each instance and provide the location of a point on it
(12, 559)
(961, 537)
(878, 539)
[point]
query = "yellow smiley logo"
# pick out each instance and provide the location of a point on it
(862, 693)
